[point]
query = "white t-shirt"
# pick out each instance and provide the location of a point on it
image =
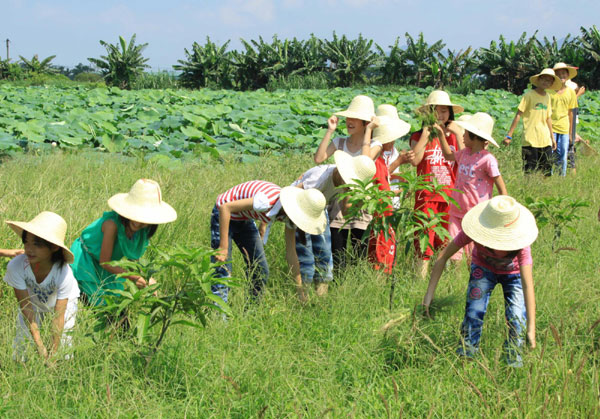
(321, 178)
(336, 143)
(58, 284)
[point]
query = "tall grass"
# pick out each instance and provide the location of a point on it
(330, 357)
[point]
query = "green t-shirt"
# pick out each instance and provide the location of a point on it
(536, 111)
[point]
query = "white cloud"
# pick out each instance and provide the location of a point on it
(247, 13)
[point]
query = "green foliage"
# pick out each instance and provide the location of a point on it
(349, 58)
(590, 43)
(123, 63)
(207, 65)
(10, 71)
(36, 66)
(422, 59)
(158, 80)
(558, 212)
(88, 78)
(299, 81)
(182, 297)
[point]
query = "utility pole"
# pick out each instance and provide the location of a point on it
(7, 55)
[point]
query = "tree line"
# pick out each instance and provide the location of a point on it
(342, 62)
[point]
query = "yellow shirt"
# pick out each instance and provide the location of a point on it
(561, 105)
(536, 111)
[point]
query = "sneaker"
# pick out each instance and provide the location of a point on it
(322, 288)
(467, 351)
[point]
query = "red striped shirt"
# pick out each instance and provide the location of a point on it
(250, 190)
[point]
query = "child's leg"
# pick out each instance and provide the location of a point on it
(359, 246)
(516, 317)
(529, 157)
(321, 247)
(306, 256)
(66, 340)
(562, 147)
(246, 237)
(339, 239)
(454, 227)
(223, 271)
(481, 285)
(544, 160)
(23, 337)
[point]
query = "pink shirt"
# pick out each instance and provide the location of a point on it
(475, 179)
(484, 257)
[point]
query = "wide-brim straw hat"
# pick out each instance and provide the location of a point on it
(305, 207)
(500, 223)
(480, 124)
(48, 226)
(387, 110)
(572, 70)
(143, 203)
(547, 72)
(352, 168)
(361, 107)
(390, 129)
(439, 97)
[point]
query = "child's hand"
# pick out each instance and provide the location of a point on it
(139, 282)
(221, 256)
(332, 123)
(531, 339)
(440, 129)
(454, 128)
(406, 156)
(553, 144)
(374, 123)
(506, 140)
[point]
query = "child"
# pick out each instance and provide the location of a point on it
(43, 283)
(392, 158)
(123, 232)
(430, 161)
(314, 250)
(358, 115)
(579, 91)
(233, 219)
(477, 171)
(502, 231)
(536, 109)
(564, 102)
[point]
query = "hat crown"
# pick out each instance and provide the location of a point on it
(438, 97)
(312, 202)
(362, 103)
(502, 211)
(53, 224)
(364, 167)
(390, 129)
(389, 111)
(548, 72)
(558, 66)
(145, 191)
(483, 122)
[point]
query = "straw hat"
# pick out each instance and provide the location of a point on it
(361, 107)
(572, 70)
(547, 72)
(390, 129)
(439, 97)
(143, 204)
(305, 207)
(480, 124)
(351, 168)
(500, 223)
(48, 226)
(387, 110)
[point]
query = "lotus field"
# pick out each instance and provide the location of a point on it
(167, 125)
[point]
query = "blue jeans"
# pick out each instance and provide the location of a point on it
(316, 260)
(560, 154)
(481, 284)
(247, 239)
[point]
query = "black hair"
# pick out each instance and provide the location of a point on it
(475, 137)
(57, 256)
(151, 227)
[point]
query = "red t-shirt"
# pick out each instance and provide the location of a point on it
(434, 163)
(264, 194)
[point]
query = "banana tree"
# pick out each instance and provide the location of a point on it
(36, 66)
(590, 42)
(206, 65)
(350, 58)
(394, 68)
(420, 57)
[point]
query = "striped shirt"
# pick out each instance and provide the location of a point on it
(264, 194)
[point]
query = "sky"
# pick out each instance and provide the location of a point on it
(72, 29)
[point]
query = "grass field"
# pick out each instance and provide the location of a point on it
(328, 358)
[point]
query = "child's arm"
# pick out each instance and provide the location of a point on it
(529, 294)
(436, 273)
(58, 324)
(403, 158)
(580, 91)
(549, 122)
(419, 148)
(511, 130)
(291, 256)
(367, 150)
(10, 253)
(571, 118)
(262, 228)
(225, 211)
(29, 316)
(500, 186)
(455, 129)
(326, 149)
(446, 150)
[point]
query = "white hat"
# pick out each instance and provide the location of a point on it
(439, 97)
(351, 168)
(361, 107)
(305, 208)
(547, 72)
(143, 204)
(500, 223)
(572, 70)
(480, 124)
(390, 129)
(48, 226)
(387, 110)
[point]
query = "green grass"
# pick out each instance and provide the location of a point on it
(329, 357)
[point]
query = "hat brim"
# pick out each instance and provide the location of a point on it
(455, 108)
(521, 234)
(148, 214)
(345, 166)
(19, 226)
(355, 115)
(401, 128)
(557, 85)
(289, 201)
(572, 71)
(473, 129)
